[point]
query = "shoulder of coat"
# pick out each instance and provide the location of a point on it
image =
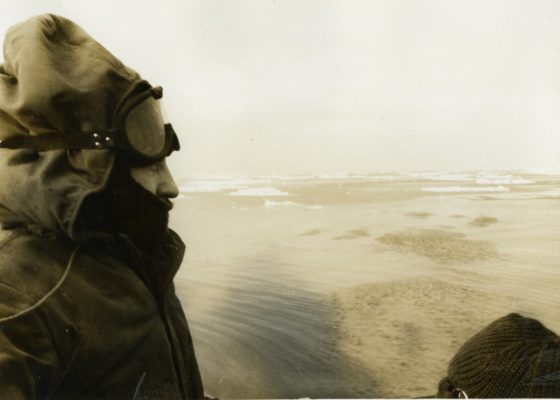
(30, 266)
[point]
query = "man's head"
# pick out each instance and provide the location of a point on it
(140, 188)
(78, 126)
(514, 356)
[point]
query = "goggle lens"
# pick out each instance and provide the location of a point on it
(144, 128)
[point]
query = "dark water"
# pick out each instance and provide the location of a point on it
(275, 341)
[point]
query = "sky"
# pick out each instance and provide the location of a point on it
(328, 86)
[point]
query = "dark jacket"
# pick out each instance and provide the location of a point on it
(80, 317)
(101, 334)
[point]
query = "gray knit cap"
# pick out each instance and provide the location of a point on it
(514, 356)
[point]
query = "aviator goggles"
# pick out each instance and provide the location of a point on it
(138, 133)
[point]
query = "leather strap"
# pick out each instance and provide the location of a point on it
(60, 141)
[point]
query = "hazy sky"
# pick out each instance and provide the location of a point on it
(299, 86)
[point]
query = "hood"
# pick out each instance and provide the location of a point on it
(55, 79)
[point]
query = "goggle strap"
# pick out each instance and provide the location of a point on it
(58, 141)
(91, 141)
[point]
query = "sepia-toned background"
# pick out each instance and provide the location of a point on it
(364, 184)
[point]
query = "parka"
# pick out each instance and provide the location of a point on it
(83, 314)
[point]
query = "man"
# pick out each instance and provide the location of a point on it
(87, 303)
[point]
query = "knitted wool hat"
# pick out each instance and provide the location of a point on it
(514, 356)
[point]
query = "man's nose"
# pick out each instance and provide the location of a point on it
(166, 186)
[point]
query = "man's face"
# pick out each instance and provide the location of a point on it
(156, 179)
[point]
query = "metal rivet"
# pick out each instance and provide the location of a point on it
(95, 135)
(97, 144)
(107, 139)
